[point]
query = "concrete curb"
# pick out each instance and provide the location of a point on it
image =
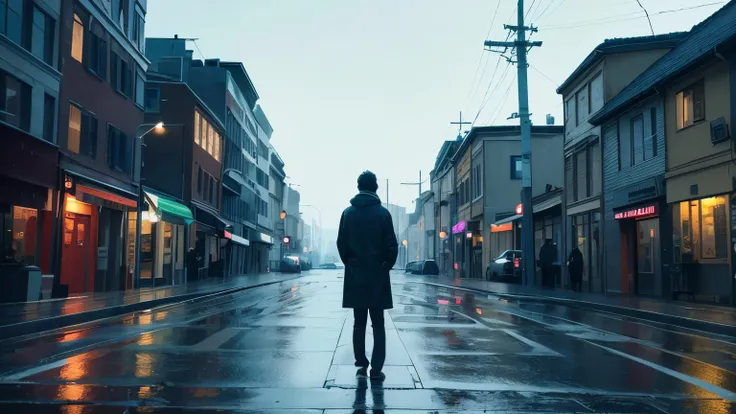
(681, 321)
(64, 321)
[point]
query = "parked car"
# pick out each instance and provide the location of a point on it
(305, 263)
(328, 266)
(290, 264)
(423, 267)
(505, 268)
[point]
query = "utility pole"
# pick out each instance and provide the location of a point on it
(459, 128)
(521, 44)
(419, 183)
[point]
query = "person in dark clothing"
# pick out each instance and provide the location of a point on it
(547, 257)
(575, 267)
(367, 244)
(192, 265)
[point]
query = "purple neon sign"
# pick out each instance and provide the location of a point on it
(458, 228)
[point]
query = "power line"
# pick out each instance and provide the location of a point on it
(541, 16)
(648, 19)
(529, 10)
(482, 53)
(503, 102)
(591, 23)
(490, 93)
(540, 72)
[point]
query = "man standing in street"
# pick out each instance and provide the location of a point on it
(547, 257)
(367, 245)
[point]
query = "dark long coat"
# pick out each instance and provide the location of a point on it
(367, 245)
(575, 265)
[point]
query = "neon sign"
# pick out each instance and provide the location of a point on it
(458, 228)
(637, 213)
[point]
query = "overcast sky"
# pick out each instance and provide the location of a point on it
(373, 84)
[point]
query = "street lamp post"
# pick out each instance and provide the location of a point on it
(159, 127)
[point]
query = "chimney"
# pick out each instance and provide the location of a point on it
(212, 62)
(176, 36)
(550, 119)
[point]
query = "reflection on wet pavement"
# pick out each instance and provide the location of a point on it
(289, 347)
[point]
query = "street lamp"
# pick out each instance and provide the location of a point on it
(159, 128)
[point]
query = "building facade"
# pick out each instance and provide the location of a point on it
(100, 114)
(695, 81)
(443, 186)
(602, 75)
(276, 190)
(29, 95)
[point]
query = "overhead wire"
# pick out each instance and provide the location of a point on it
(503, 102)
(473, 87)
(638, 15)
(490, 93)
(648, 18)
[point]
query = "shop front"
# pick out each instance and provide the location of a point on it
(260, 246)
(93, 236)
(461, 249)
(236, 251)
(701, 242)
(29, 180)
(548, 226)
(164, 229)
(640, 238)
(585, 229)
(209, 241)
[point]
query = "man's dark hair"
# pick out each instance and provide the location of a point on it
(367, 181)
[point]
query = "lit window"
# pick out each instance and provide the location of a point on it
(210, 139)
(217, 147)
(197, 131)
(77, 38)
(690, 105)
(75, 129)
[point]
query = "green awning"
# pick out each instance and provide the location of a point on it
(169, 210)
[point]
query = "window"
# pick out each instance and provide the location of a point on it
(120, 14)
(11, 19)
(582, 107)
(650, 141)
(570, 112)
(97, 58)
(140, 87)
(569, 179)
(210, 139)
(199, 180)
(153, 104)
(594, 169)
(77, 38)
(139, 37)
(690, 105)
(15, 102)
(516, 167)
(49, 117)
(477, 181)
(211, 184)
(82, 136)
(700, 230)
(42, 36)
(118, 150)
(596, 94)
(216, 147)
(197, 127)
(581, 174)
(121, 75)
(637, 140)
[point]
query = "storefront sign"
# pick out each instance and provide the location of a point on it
(501, 227)
(637, 213)
(519, 209)
(458, 228)
(266, 238)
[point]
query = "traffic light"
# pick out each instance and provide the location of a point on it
(286, 239)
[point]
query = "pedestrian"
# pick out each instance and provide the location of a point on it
(575, 268)
(368, 247)
(547, 257)
(192, 265)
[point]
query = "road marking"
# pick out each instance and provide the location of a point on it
(52, 365)
(217, 339)
(536, 346)
(723, 393)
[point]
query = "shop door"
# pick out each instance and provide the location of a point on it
(76, 253)
(647, 256)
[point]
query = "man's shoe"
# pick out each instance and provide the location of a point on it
(362, 372)
(377, 375)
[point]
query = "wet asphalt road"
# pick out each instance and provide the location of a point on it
(287, 348)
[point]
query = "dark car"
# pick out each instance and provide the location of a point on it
(305, 263)
(423, 267)
(290, 264)
(505, 268)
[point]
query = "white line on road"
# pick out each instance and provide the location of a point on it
(216, 340)
(723, 393)
(535, 345)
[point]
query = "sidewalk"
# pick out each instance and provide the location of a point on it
(710, 318)
(24, 318)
